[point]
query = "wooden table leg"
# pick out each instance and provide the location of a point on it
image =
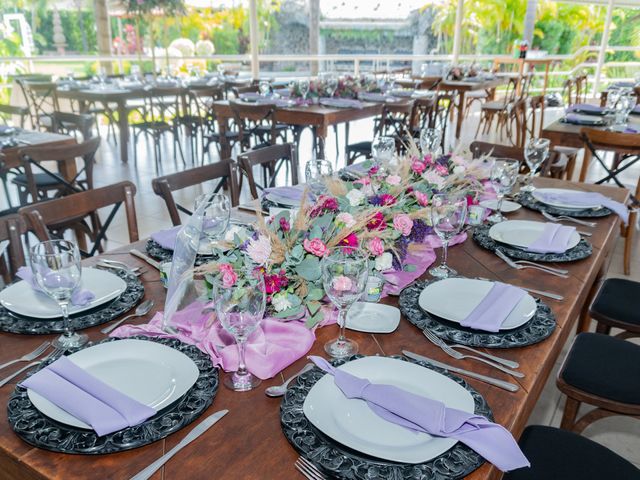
(225, 146)
(321, 137)
(461, 95)
(123, 126)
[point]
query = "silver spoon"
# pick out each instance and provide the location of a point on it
(144, 308)
(279, 390)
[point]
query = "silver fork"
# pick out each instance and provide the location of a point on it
(6, 380)
(460, 356)
(29, 356)
(308, 469)
(522, 264)
(507, 363)
(557, 218)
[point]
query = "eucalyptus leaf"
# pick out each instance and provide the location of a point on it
(315, 294)
(289, 312)
(309, 268)
(313, 320)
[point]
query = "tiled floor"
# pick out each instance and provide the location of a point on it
(618, 433)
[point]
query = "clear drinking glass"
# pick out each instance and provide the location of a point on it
(240, 309)
(448, 214)
(344, 276)
(304, 88)
(57, 271)
(265, 88)
(536, 151)
(504, 174)
(220, 70)
(332, 84)
(215, 216)
(315, 172)
(430, 140)
(382, 150)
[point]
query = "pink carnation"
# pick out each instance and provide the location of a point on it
(428, 159)
(387, 199)
(377, 222)
(229, 277)
(441, 169)
(418, 167)
(375, 246)
(394, 179)
(422, 198)
(351, 241)
(403, 224)
(315, 247)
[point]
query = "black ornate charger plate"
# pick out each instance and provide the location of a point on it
(38, 430)
(535, 330)
(526, 200)
(579, 252)
(339, 461)
(165, 255)
(13, 323)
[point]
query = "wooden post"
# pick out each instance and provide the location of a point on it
(314, 34)
(103, 31)
(603, 47)
(457, 33)
(253, 39)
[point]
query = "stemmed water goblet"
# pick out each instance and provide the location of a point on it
(536, 151)
(344, 277)
(448, 214)
(220, 69)
(216, 212)
(240, 309)
(303, 85)
(56, 269)
(430, 140)
(265, 88)
(315, 172)
(503, 176)
(383, 150)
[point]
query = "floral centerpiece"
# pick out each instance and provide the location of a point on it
(346, 87)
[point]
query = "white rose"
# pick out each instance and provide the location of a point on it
(384, 262)
(459, 169)
(281, 302)
(355, 197)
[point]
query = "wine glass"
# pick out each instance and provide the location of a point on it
(382, 150)
(344, 277)
(536, 152)
(304, 89)
(240, 309)
(215, 215)
(504, 174)
(331, 85)
(135, 73)
(265, 88)
(448, 214)
(220, 70)
(315, 172)
(430, 140)
(102, 77)
(56, 268)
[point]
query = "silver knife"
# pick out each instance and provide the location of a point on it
(149, 260)
(490, 380)
(193, 434)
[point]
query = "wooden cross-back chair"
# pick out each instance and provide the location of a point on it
(51, 218)
(581, 84)
(225, 171)
(256, 124)
(271, 159)
(199, 118)
(42, 101)
(8, 111)
(497, 109)
(12, 229)
(73, 124)
(567, 92)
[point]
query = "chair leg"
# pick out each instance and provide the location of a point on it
(569, 414)
(628, 242)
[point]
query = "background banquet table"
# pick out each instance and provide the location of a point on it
(248, 443)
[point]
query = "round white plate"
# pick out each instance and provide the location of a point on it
(352, 423)
(23, 300)
(455, 298)
(522, 233)
(373, 317)
(536, 195)
(149, 372)
(507, 206)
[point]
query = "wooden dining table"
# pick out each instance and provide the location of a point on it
(248, 442)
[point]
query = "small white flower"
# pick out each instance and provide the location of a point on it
(384, 262)
(459, 169)
(281, 302)
(355, 197)
(346, 218)
(234, 230)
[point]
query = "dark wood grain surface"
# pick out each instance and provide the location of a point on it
(248, 442)
(568, 134)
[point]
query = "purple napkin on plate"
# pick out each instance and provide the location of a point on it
(340, 102)
(623, 85)
(87, 398)
(586, 198)
(373, 97)
(495, 307)
(290, 193)
(586, 108)
(630, 130)
(79, 297)
(553, 239)
(492, 441)
(579, 120)
(166, 238)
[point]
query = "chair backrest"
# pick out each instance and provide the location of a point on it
(42, 100)
(567, 92)
(535, 120)
(525, 84)
(396, 118)
(240, 89)
(271, 159)
(44, 216)
(581, 83)
(33, 157)
(249, 116)
(69, 123)
(12, 229)
(224, 170)
(8, 111)
(423, 109)
(518, 112)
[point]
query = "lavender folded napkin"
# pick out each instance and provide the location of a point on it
(623, 85)
(495, 307)
(586, 108)
(340, 102)
(423, 414)
(79, 297)
(373, 97)
(290, 193)
(87, 398)
(166, 238)
(630, 130)
(580, 120)
(554, 239)
(586, 199)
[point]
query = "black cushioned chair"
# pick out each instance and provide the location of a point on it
(617, 304)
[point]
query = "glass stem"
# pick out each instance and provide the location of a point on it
(445, 251)
(532, 174)
(500, 200)
(242, 368)
(342, 322)
(64, 306)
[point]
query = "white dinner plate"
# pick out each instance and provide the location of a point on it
(23, 300)
(522, 233)
(373, 317)
(455, 298)
(149, 372)
(352, 423)
(537, 195)
(507, 206)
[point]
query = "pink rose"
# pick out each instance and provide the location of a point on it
(375, 246)
(229, 277)
(403, 224)
(422, 198)
(441, 169)
(342, 284)
(394, 179)
(428, 159)
(315, 247)
(418, 167)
